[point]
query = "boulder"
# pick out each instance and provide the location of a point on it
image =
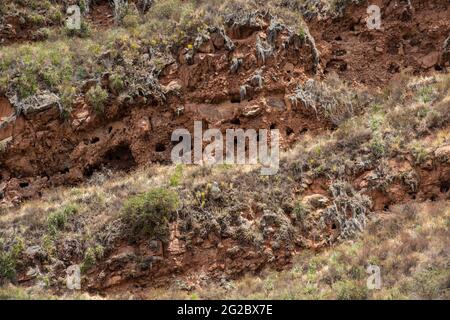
(252, 111)
(173, 86)
(443, 154)
(37, 103)
(33, 251)
(73, 278)
(429, 60)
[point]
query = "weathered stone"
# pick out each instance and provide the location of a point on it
(252, 111)
(73, 278)
(429, 60)
(36, 103)
(32, 272)
(315, 201)
(443, 153)
(288, 67)
(173, 86)
(277, 103)
(32, 251)
(144, 125)
(216, 193)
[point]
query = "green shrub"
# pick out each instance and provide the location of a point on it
(130, 20)
(419, 152)
(8, 259)
(83, 32)
(430, 283)
(26, 84)
(426, 94)
(148, 214)
(176, 177)
(166, 9)
(377, 146)
(67, 97)
(91, 256)
(350, 290)
(96, 97)
(58, 220)
(300, 211)
(116, 82)
(56, 15)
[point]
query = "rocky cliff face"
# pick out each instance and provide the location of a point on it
(349, 103)
(255, 64)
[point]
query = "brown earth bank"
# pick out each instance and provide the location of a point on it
(230, 223)
(44, 150)
(218, 256)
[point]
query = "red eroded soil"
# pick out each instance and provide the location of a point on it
(101, 15)
(409, 39)
(46, 150)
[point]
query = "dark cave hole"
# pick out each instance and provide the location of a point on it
(109, 129)
(343, 67)
(386, 207)
(413, 196)
(235, 99)
(24, 184)
(65, 170)
(433, 198)
(160, 147)
(289, 131)
(89, 171)
(235, 121)
(303, 131)
(95, 140)
(119, 158)
(334, 226)
(445, 186)
(273, 126)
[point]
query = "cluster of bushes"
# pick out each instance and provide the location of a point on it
(57, 220)
(31, 68)
(148, 214)
(9, 254)
(97, 97)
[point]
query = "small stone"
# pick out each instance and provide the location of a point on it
(144, 125)
(173, 86)
(153, 245)
(73, 278)
(32, 251)
(252, 111)
(288, 67)
(443, 154)
(216, 193)
(33, 272)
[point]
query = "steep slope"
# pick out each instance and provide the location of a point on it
(85, 130)
(245, 75)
